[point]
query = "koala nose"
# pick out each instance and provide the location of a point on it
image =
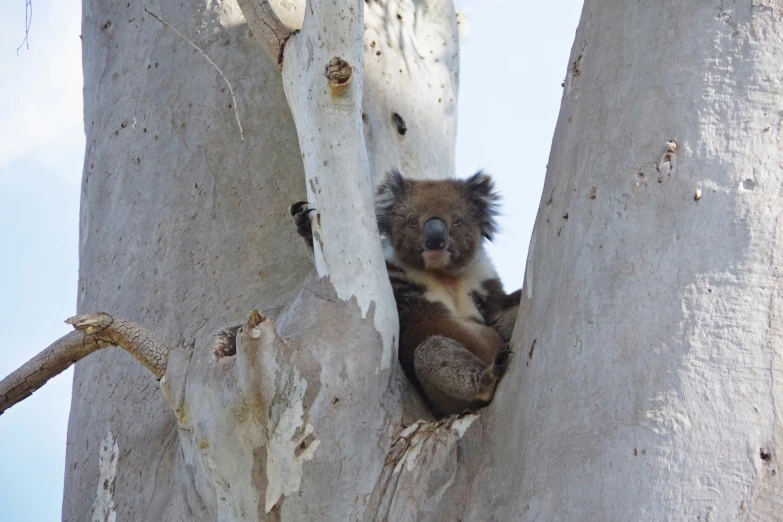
(435, 234)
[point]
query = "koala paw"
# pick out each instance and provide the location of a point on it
(301, 214)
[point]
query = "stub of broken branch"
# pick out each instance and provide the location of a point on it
(339, 74)
(421, 450)
(93, 332)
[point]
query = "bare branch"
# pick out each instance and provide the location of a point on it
(268, 27)
(93, 332)
(28, 20)
(196, 47)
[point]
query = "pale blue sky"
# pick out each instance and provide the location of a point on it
(513, 60)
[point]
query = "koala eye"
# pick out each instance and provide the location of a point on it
(457, 221)
(413, 222)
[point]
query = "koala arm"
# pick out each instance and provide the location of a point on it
(501, 309)
(506, 318)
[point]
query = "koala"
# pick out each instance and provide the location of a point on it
(455, 318)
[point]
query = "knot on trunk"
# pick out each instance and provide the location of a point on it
(339, 73)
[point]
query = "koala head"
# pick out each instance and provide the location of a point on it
(436, 225)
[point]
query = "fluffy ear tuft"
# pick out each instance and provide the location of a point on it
(480, 192)
(386, 199)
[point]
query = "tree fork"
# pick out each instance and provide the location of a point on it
(262, 423)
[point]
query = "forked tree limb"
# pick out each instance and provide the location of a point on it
(267, 19)
(93, 332)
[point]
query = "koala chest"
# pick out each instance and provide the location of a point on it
(463, 295)
(456, 295)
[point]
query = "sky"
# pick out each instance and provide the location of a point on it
(514, 56)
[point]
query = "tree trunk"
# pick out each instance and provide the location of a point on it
(646, 383)
(175, 212)
(185, 228)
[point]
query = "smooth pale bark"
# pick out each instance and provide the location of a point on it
(175, 214)
(409, 105)
(273, 425)
(323, 73)
(646, 384)
(647, 381)
(184, 229)
(654, 389)
(410, 87)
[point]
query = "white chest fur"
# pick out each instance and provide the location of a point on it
(456, 293)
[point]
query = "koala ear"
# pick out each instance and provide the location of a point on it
(386, 199)
(480, 192)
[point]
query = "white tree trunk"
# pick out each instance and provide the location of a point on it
(655, 306)
(646, 384)
(185, 229)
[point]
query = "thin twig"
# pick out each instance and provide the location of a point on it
(28, 20)
(196, 47)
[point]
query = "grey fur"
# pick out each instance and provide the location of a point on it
(452, 378)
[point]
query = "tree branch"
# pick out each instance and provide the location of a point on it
(268, 28)
(93, 332)
(324, 85)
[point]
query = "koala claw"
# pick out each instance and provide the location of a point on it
(297, 207)
(301, 216)
(502, 359)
